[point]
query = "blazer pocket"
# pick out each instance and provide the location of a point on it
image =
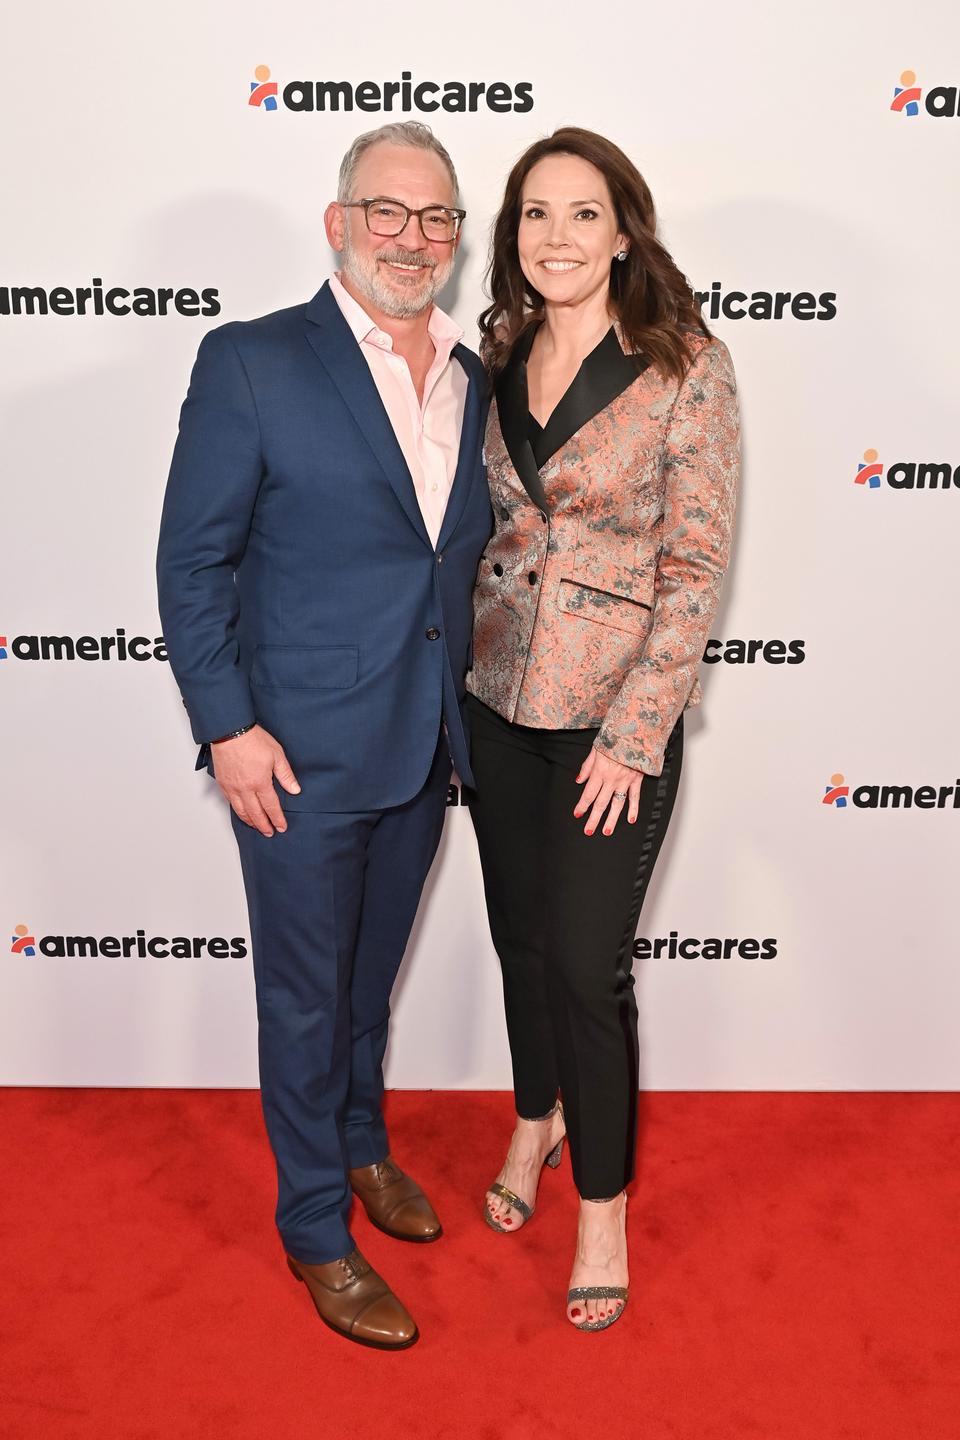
(305, 667)
(603, 606)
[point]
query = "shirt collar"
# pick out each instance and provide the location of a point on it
(443, 331)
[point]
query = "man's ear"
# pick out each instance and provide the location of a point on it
(334, 220)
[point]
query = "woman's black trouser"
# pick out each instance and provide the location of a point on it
(563, 909)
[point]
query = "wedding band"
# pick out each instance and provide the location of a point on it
(619, 794)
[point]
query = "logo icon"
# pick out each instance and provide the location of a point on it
(22, 942)
(906, 95)
(263, 90)
(836, 792)
(3, 647)
(869, 470)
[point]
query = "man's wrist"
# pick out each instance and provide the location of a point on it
(232, 734)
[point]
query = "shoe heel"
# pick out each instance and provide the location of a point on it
(293, 1270)
(556, 1155)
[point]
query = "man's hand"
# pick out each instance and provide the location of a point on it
(245, 767)
(608, 784)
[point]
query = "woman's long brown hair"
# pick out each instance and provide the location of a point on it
(649, 296)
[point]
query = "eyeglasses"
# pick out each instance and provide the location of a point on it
(440, 223)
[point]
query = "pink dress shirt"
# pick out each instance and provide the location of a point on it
(428, 434)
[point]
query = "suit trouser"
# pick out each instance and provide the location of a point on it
(331, 902)
(563, 909)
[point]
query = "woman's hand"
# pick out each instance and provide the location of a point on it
(608, 784)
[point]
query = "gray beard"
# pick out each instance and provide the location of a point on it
(361, 269)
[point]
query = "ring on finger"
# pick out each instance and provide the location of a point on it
(619, 794)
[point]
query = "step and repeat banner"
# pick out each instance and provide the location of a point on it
(166, 171)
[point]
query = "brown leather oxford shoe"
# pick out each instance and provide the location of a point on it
(354, 1300)
(395, 1203)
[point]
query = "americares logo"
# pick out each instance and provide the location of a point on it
(389, 97)
(908, 98)
(766, 304)
(712, 947)
(748, 652)
(22, 942)
(263, 90)
(906, 474)
(118, 646)
(93, 299)
(116, 947)
(840, 796)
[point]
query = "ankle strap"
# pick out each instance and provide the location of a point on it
(556, 1107)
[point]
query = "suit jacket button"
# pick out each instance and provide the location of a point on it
(498, 569)
(532, 577)
(433, 633)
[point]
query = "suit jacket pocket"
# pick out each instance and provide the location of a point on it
(305, 667)
(619, 611)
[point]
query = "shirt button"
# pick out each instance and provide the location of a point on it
(498, 569)
(434, 487)
(433, 633)
(532, 577)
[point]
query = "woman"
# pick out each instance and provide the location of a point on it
(612, 452)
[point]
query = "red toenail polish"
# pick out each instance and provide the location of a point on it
(574, 1312)
(507, 1220)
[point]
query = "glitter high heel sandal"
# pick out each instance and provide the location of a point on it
(600, 1292)
(521, 1206)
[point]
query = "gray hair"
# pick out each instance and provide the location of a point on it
(412, 133)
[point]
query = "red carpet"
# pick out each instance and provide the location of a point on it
(794, 1274)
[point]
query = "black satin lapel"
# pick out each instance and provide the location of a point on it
(332, 341)
(513, 409)
(605, 373)
(467, 457)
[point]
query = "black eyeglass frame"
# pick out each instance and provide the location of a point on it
(458, 215)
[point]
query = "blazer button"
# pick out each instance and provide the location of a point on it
(532, 577)
(433, 633)
(498, 569)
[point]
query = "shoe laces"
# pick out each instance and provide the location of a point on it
(354, 1266)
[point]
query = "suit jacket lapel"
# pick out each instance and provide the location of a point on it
(605, 373)
(333, 343)
(513, 409)
(469, 445)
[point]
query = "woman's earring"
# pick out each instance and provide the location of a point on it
(621, 255)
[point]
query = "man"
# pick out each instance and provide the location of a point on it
(324, 517)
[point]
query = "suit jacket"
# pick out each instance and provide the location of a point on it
(298, 586)
(598, 587)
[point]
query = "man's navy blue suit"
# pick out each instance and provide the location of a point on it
(299, 588)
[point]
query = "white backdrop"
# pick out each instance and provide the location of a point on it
(767, 137)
